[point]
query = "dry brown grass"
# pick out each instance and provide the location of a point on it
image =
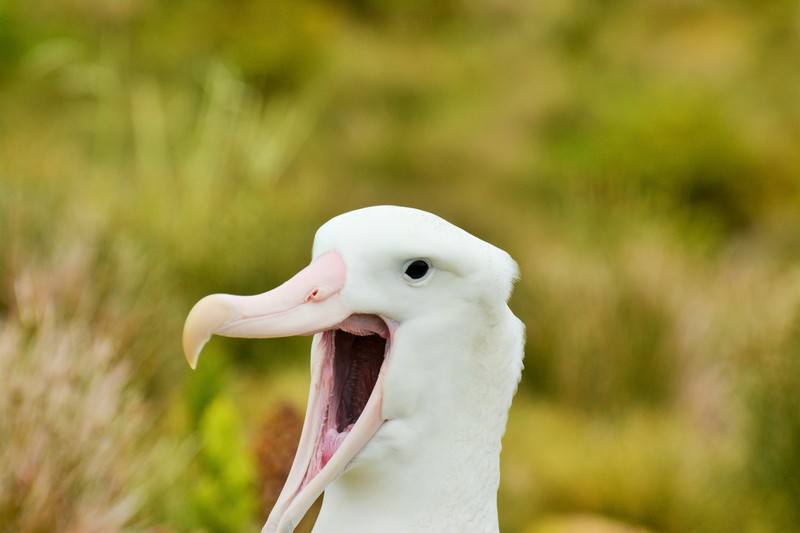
(72, 424)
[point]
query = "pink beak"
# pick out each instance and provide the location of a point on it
(309, 302)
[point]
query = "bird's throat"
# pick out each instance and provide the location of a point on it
(452, 489)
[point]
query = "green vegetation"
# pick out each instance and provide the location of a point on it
(640, 160)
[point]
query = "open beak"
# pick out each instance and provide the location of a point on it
(348, 361)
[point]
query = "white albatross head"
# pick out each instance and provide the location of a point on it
(415, 359)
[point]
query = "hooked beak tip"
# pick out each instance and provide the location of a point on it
(192, 345)
(191, 358)
(205, 318)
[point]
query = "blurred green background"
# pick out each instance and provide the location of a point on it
(639, 159)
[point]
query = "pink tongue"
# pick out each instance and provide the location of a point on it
(331, 441)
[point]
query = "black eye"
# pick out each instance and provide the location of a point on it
(417, 269)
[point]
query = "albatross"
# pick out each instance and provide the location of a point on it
(415, 359)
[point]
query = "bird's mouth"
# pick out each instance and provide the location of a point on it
(353, 356)
(344, 411)
(349, 357)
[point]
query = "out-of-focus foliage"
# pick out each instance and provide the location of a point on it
(224, 495)
(76, 443)
(641, 161)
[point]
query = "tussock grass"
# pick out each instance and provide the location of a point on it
(77, 434)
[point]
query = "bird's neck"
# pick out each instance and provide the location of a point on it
(433, 493)
(439, 472)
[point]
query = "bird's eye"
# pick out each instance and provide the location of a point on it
(416, 269)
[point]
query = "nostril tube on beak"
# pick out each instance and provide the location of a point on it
(319, 293)
(312, 296)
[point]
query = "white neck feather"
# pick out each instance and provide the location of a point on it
(435, 464)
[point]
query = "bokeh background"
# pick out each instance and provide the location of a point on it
(639, 159)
